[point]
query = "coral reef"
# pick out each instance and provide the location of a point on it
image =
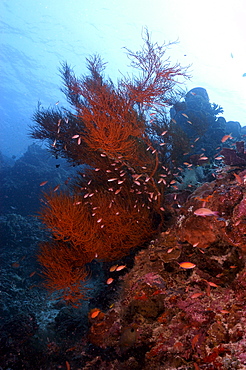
(149, 234)
(226, 196)
(168, 317)
(182, 305)
(20, 180)
(173, 317)
(234, 157)
(165, 316)
(200, 128)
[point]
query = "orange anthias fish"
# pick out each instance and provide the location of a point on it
(187, 265)
(205, 212)
(226, 137)
(113, 268)
(238, 178)
(119, 268)
(96, 312)
(109, 281)
(204, 199)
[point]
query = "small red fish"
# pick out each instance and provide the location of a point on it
(195, 340)
(226, 137)
(109, 281)
(212, 284)
(224, 311)
(119, 268)
(94, 313)
(15, 264)
(187, 265)
(196, 295)
(205, 212)
(238, 178)
(142, 297)
(43, 183)
(113, 268)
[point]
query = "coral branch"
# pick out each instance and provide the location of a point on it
(115, 204)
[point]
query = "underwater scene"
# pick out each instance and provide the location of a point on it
(123, 185)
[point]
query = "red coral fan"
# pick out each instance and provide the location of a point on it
(110, 122)
(64, 271)
(155, 79)
(70, 220)
(106, 228)
(125, 224)
(115, 204)
(110, 119)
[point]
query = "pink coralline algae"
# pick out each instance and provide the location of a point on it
(151, 279)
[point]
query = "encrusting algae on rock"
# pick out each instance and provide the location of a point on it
(184, 319)
(191, 317)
